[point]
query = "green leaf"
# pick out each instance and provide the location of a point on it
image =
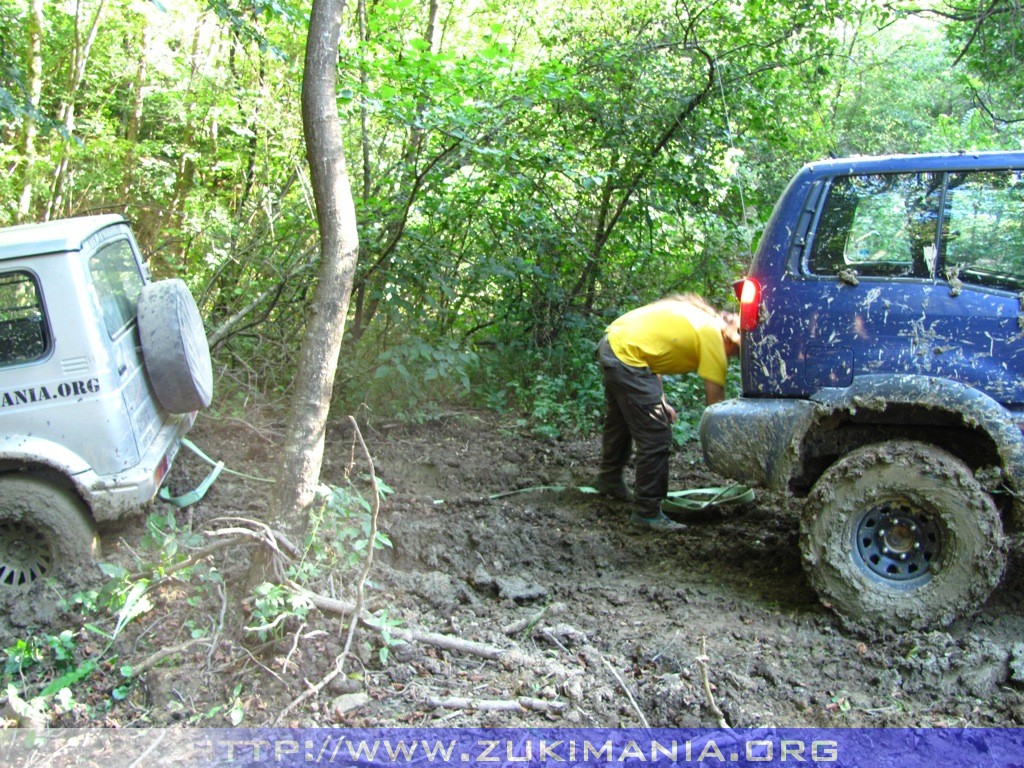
(136, 603)
(112, 570)
(70, 678)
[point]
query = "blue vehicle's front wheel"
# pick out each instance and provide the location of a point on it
(900, 535)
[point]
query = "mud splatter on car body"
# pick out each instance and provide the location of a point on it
(887, 307)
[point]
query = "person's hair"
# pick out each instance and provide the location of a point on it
(730, 320)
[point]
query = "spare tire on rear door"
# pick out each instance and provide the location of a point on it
(174, 346)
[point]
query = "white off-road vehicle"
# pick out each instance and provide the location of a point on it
(101, 374)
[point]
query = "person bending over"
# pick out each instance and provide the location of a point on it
(675, 335)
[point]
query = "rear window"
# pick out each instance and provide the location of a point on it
(23, 333)
(118, 282)
(984, 238)
(967, 225)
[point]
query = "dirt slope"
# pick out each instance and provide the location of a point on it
(628, 613)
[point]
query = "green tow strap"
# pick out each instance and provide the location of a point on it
(190, 498)
(693, 500)
(700, 499)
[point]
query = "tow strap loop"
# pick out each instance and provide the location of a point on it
(699, 499)
(190, 498)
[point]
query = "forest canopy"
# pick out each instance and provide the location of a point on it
(522, 171)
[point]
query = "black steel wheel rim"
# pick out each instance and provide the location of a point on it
(25, 555)
(898, 542)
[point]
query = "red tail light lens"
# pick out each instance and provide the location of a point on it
(748, 291)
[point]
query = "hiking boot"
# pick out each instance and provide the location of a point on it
(614, 490)
(658, 521)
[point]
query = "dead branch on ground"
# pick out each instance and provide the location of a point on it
(702, 662)
(532, 622)
(522, 704)
(622, 684)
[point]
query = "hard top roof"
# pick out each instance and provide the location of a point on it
(53, 236)
(952, 161)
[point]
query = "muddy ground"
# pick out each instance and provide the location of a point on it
(629, 614)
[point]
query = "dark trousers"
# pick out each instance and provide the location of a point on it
(634, 414)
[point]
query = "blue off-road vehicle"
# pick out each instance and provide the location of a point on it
(883, 378)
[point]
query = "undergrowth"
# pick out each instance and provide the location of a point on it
(79, 670)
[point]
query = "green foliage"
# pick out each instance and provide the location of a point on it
(340, 534)
(42, 670)
(385, 624)
(551, 392)
(273, 605)
(987, 39)
(339, 530)
(520, 178)
(166, 537)
(407, 378)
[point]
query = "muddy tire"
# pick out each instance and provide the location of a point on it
(45, 530)
(900, 535)
(174, 347)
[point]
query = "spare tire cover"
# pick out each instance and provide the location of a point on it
(174, 346)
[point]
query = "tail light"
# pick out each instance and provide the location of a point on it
(748, 291)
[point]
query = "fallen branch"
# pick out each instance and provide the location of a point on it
(450, 643)
(621, 682)
(445, 642)
(521, 704)
(322, 602)
(531, 622)
(198, 556)
(164, 653)
(702, 662)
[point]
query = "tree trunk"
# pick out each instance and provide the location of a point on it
(79, 60)
(299, 471)
(35, 91)
(134, 125)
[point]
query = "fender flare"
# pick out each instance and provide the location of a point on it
(18, 452)
(972, 406)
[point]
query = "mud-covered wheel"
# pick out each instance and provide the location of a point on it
(174, 347)
(900, 535)
(44, 530)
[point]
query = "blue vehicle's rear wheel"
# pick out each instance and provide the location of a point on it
(901, 535)
(897, 541)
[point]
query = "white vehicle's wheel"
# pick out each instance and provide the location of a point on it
(174, 347)
(44, 529)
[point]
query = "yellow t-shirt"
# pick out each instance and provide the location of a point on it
(670, 337)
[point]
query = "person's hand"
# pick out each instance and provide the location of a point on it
(669, 411)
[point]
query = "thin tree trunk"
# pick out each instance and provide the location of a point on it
(370, 282)
(80, 57)
(35, 91)
(301, 462)
(131, 131)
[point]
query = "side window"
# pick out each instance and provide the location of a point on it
(118, 282)
(878, 224)
(984, 236)
(23, 333)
